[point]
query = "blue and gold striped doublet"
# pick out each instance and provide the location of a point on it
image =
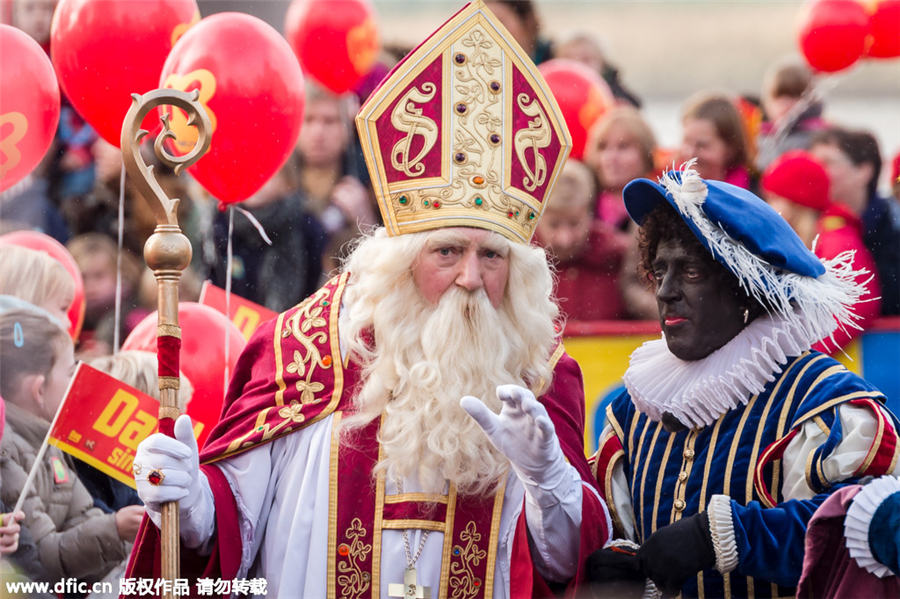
(673, 475)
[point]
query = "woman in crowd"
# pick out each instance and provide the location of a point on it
(796, 186)
(713, 133)
(622, 148)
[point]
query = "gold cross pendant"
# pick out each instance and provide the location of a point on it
(409, 589)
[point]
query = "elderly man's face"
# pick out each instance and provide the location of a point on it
(699, 310)
(464, 257)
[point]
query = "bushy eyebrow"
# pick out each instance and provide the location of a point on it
(451, 238)
(445, 238)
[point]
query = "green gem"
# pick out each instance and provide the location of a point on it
(324, 302)
(259, 429)
(402, 199)
(425, 203)
(517, 213)
(530, 215)
(479, 201)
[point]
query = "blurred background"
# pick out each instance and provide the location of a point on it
(666, 50)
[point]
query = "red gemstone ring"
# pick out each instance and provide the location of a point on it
(155, 477)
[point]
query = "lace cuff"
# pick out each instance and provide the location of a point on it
(858, 519)
(721, 529)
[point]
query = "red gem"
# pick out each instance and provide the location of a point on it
(437, 204)
(154, 478)
(510, 214)
(344, 549)
(477, 582)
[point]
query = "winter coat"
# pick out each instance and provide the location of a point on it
(74, 538)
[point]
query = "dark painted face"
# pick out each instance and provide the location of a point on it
(700, 306)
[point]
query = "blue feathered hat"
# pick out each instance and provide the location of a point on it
(757, 245)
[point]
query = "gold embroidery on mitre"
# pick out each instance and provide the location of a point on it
(352, 580)
(535, 138)
(408, 118)
(482, 140)
(463, 582)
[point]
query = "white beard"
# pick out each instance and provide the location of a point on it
(427, 357)
(435, 357)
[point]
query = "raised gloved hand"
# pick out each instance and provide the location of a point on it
(676, 552)
(524, 433)
(167, 469)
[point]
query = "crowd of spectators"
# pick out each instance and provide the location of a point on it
(821, 176)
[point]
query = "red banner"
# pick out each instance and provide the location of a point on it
(102, 420)
(244, 314)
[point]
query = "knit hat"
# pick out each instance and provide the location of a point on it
(799, 178)
(748, 237)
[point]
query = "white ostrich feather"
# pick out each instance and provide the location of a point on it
(815, 307)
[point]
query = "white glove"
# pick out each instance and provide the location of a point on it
(524, 433)
(178, 460)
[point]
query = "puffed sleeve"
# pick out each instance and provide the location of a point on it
(766, 540)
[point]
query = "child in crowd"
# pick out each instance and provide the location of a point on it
(18, 554)
(588, 251)
(138, 369)
(96, 255)
(36, 278)
(73, 538)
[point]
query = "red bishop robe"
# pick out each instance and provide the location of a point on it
(291, 375)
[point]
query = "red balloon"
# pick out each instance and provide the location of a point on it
(252, 88)
(29, 105)
(336, 41)
(104, 51)
(884, 26)
(833, 34)
(203, 362)
(583, 97)
(44, 243)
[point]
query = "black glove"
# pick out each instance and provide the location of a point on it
(677, 552)
(614, 564)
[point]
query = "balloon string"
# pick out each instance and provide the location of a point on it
(228, 266)
(254, 222)
(117, 327)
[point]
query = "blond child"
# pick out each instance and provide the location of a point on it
(73, 538)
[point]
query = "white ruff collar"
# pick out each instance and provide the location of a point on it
(698, 392)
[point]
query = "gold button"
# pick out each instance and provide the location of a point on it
(679, 504)
(682, 476)
(689, 453)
